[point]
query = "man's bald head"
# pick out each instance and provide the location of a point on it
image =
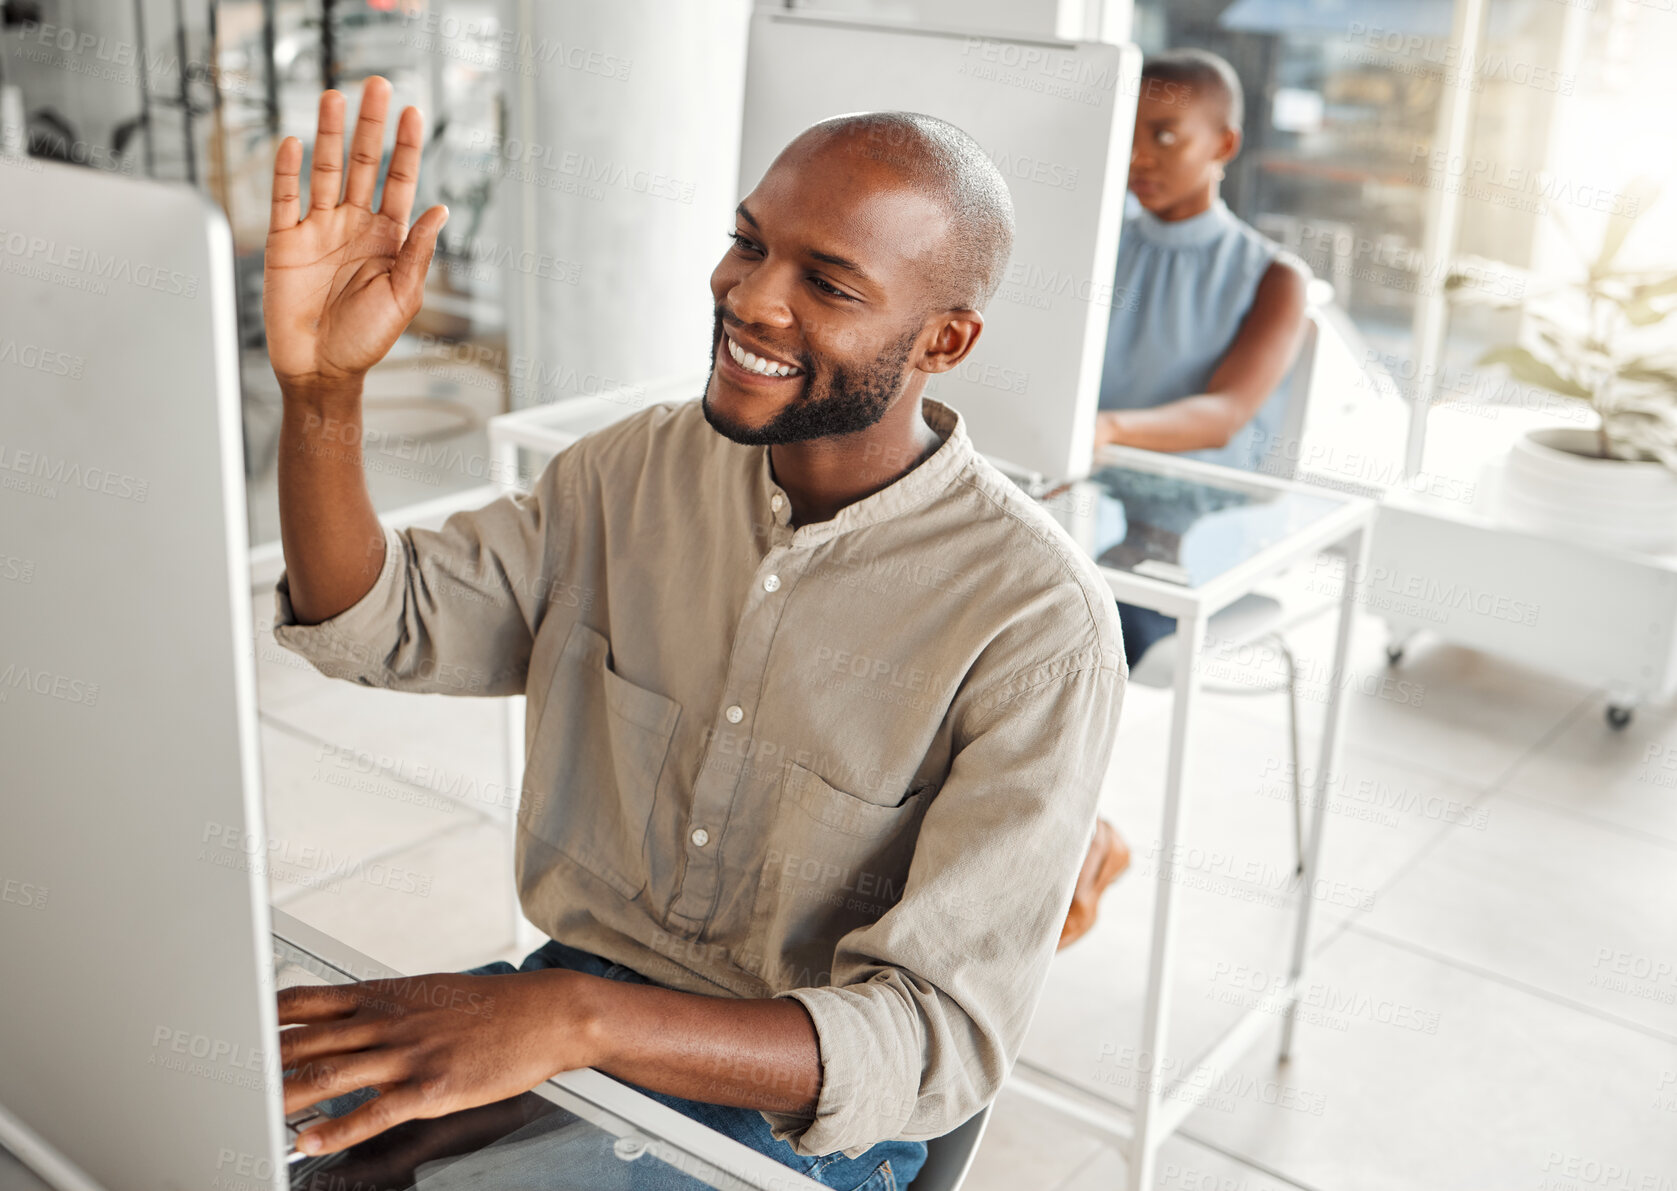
(935, 158)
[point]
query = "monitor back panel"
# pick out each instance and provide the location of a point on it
(133, 898)
(1056, 118)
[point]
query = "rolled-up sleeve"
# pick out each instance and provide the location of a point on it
(453, 610)
(929, 1004)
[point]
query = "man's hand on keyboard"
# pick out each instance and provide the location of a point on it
(430, 1045)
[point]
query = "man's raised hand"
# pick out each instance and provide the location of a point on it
(342, 281)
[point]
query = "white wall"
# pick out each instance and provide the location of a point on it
(1101, 20)
(631, 125)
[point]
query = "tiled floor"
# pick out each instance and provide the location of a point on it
(1493, 998)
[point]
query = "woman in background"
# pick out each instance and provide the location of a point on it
(1207, 313)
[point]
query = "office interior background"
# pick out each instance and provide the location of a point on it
(1494, 993)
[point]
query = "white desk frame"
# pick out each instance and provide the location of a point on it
(1161, 1109)
(673, 1139)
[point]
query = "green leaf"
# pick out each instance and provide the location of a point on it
(1646, 314)
(1643, 192)
(1655, 289)
(1643, 374)
(1525, 367)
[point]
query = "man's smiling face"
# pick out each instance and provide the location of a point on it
(826, 286)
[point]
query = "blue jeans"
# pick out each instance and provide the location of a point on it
(581, 1155)
(1142, 627)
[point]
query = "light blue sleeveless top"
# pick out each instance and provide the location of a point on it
(1179, 295)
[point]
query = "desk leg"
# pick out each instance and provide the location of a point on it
(1355, 549)
(1155, 1025)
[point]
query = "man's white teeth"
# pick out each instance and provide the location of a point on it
(757, 364)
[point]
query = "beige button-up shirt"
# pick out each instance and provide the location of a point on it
(855, 763)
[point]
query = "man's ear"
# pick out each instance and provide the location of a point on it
(957, 332)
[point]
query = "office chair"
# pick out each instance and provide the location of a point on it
(1253, 618)
(950, 1157)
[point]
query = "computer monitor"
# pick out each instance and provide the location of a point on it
(137, 1015)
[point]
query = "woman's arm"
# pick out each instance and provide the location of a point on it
(1260, 356)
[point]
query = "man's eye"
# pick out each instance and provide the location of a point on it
(827, 287)
(740, 240)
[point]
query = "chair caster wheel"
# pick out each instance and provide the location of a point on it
(1618, 717)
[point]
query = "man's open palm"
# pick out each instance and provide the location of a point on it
(339, 286)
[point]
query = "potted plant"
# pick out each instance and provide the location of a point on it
(1601, 338)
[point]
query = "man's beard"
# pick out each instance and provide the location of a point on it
(852, 398)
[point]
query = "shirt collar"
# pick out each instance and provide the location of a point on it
(1183, 233)
(908, 493)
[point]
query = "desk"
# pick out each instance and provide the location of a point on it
(657, 1146)
(1187, 539)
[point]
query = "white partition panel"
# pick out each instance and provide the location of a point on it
(1056, 117)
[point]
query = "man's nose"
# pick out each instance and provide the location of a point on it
(759, 299)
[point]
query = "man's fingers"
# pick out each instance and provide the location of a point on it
(407, 277)
(333, 1075)
(329, 1038)
(395, 1103)
(367, 149)
(403, 179)
(288, 185)
(328, 171)
(306, 1004)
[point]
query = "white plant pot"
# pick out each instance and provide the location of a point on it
(1555, 483)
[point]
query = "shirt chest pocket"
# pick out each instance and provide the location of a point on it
(598, 753)
(831, 862)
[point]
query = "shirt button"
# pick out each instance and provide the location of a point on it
(776, 501)
(772, 583)
(735, 714)
(700, 837)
